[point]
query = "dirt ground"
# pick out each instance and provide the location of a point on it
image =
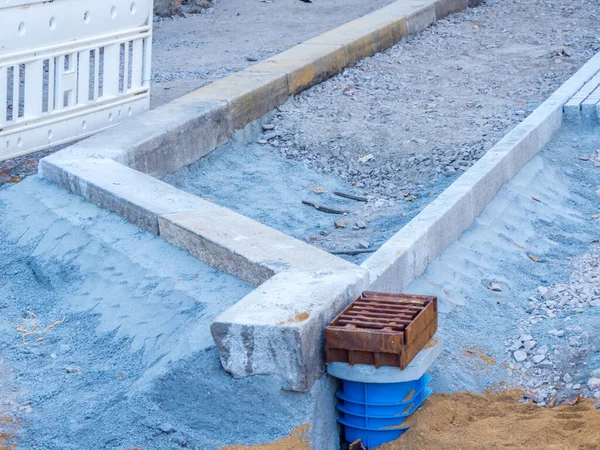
(297, 440)
(193, 51)
(499, 420)
(428, 108)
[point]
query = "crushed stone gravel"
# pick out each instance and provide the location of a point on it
(431, 106)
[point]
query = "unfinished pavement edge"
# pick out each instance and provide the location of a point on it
(112, 169)
(406, 254)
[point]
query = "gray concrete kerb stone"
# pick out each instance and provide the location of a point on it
(278, 328)
(239, 245)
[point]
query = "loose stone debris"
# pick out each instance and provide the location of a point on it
(546, 367)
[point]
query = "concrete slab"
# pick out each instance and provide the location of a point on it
(588, 107)
(444, 8)
(422, 18)
(278, 328)
(446, 218)
(164, 139)
(399, 260)
(572, 108)
(363, 373)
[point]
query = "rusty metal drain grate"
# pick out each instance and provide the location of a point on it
(382, 329)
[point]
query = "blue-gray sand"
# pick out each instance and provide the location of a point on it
(268, 188)
(260, 184)
(133, 364)
(130, 362)
(546, 211)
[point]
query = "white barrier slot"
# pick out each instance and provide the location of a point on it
(70, 68)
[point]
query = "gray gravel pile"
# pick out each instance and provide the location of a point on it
(551, 368)
(432, 105)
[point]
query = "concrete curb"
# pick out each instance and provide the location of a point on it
(410, 250)
(115, 169)
(253, 92)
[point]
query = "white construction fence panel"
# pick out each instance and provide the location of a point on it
(70, 68)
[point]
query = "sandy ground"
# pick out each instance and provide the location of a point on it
(496, 421)
(105, 339)
(480, 326)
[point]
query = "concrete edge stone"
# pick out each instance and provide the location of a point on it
(239, 245)
(423, 18)
(405, 256)
(131, 194)
(306, 64)
(249, 94)
(444, 8)
(399, 259)
(278, 328)
(185, 130)
(364, 36)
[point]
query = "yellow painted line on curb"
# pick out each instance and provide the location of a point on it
(259, 89)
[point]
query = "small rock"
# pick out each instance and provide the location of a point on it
(533, 397)
(526, 337)
(262, 141)
(538, 358)
(516, 346)
(594, 383)
(567, 378)
(166, 428)
(268, 127)
(557, 333)
(528, 345)
(520, 355)
(363, 244)
(577, 386)
(73, 370)
(341, 223)
(361, 224)
(495, 287)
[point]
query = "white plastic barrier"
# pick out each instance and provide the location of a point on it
(69, 68)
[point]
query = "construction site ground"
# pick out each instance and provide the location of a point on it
(107, 342)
